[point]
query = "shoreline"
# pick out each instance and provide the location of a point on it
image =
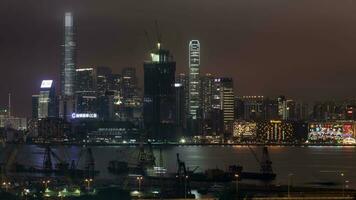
(184, 144)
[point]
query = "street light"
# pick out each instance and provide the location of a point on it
(45, 183)
(185, 186)
(6, 185)
(290, 176)
(237, 185)
(343, 184)
(88, 181)
(139, 180)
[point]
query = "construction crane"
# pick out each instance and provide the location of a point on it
(265, 162)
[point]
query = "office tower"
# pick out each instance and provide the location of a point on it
(67, 79)
(206, 93)
(47, 100)
(282, 107)
(105, 96)
(131, 108)
(129, 82)
(194, 64)
(253, 108)
(182, 80)
(68, 65)
(180, 104)
(85, 80)
(35, 106)
(159, 94)
(223, 99)
(85, 94)
(302, 111)
(291, 110)
(103, 76)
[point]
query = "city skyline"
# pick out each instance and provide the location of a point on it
(256, 57)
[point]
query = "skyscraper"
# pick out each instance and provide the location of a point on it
(206, 88)
(159, 94)
(47, 100)
(223, 99)
(85, 94)
(35, 98)
(67, 79)
(194, 63)
(68, 65)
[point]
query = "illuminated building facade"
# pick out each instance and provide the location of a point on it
(275, 131)
(245, 131)
(67, 78)
(194, 91)
(85, 94)
(332, 131)
(47, 100)
(207, 82)
(131, 107)
(159, 94)
(69, 65)
(224, 100)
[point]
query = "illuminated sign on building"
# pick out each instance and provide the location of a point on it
(84, 115)
(331, 131)
(244, 129)
(46, 83)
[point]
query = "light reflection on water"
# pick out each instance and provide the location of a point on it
(308, 164)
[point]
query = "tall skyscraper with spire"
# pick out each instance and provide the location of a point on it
(68, 67)
(194, 91)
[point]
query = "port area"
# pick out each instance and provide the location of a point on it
(133, 188)
(150, 189)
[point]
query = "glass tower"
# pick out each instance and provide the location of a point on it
(194, 63)
(68, 65)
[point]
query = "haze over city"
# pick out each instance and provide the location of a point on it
(303, 49)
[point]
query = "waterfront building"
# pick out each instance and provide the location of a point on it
(245, 131)
(331, 131)
(159, 94)
(275, 131)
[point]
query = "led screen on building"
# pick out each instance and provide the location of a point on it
(331, 131)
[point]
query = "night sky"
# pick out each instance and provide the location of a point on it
(304, 49)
